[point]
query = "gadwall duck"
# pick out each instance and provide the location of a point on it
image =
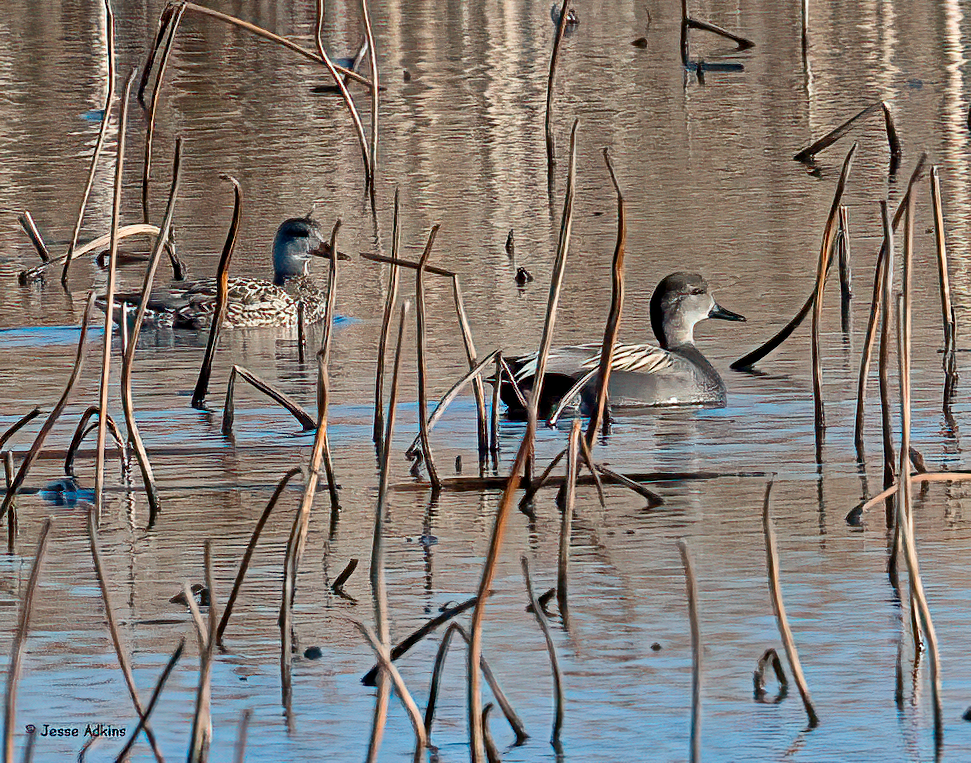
(673, 373)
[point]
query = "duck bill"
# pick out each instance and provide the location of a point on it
(726, 315)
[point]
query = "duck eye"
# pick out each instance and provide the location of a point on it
(696, 292)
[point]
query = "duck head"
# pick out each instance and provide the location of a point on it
(679, 302)
(297, 240)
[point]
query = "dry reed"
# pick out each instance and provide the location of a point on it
(544, 625)
(389, 303)
(222, 297)
(566, 523)
(110, 297)
(691, 586)
(19, 642)
(422, 361)
(292, 406)
(772, 563)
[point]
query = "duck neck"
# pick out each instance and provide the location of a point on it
(676, 332)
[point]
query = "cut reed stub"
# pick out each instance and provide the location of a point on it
(808, 154)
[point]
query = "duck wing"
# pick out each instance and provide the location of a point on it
(576, 360)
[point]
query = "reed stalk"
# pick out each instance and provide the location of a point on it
(554, 57)
(240, 752)
(494, 415)
(743, 42)
(506, 502)
(293, 407)
(12, 514)
(139, 229)
(494, 687)
(26, 221)
(449, 397)
(616, 310)
(120, 651)
(544, 625)
(349, 101)
(18, 425)
(45, 429)
(876, 305)
(566, 523)
(222, 297)
(323, 373)
(379, 588)
(492, 752)
(770, 658)
(19, 642)
(393, 260)
(171, 27)
(809, 153)
(83, 430)
(884, 359)
(772, 563)
(148, 477)
(696, 648)
(422, 361)
(375, 90)
(250, 549)
(389, 303)
(905, 518)
(99, 476)
(267, 35)
(414, 714)
(156, 693)
(845, 270)
(947, 309)
(477, 389)
(825, 253)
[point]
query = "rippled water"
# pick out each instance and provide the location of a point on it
(710, 184)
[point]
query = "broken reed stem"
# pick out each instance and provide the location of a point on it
(148, 476)
(772, 563)
(691, 586)
(406, 264)
(506, 502)
(592, 468)
(845, 272)
(267, 35)
(514, 721)
(422, 361)
(825, 253)
(544, 625)
(379, 588)
(139, 229)
(222, 296)
(612, 327)
(389, 303)
(554, 57)
(143, 720)
(511, 377)
(18, 425)
(809, 153)
(884, 358)
(414, 714)
(293, 407)
(402, 648)
(492, 752)
(19, 642)
(743, 42)
(99, 476)
(375, 90)
(26, 221)
(947, 309)
(478, 390)
(120, 651)
(349, 101)
(201, 721)
(566, 523)
(905, 518)
(250, 549)
(102, 131)
(892, 138)
(323, 375)
(45, 429)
